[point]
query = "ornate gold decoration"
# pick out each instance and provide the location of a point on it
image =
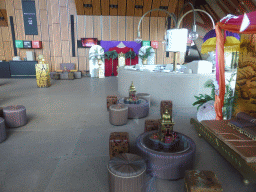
(42, 73)
(166, 125)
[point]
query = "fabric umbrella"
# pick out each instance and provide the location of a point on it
(232, 42)
(237, 24)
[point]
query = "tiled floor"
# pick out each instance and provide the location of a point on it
(64, 146)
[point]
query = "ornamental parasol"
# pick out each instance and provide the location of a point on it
(237, 24)
(232, 43)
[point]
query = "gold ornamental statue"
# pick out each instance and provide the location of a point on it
(42, 73)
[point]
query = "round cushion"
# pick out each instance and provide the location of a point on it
(2, 130)
(118, 114)
(167, 165)
(137, 111)
(52, 74)
(64, 76)
(15, 115)
(126, 173)
(78, 75)
(145, 96)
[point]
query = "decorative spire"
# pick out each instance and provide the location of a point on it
(132, 87)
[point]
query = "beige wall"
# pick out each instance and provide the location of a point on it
(53, 20)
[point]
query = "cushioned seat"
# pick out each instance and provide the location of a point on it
(15, 115)
(2, 130)
(145, 96)
(78, 75)
(137, 111)
(126, 173)
(118, 114)
(68, 66)
(67, 76)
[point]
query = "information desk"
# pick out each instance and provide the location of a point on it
(5, 70)
(178, 87)
(23, 69)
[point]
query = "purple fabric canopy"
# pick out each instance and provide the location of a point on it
(106, 45)
(212, 34)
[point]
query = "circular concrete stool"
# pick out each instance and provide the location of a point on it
(15, 116)
(2, 130)
(137, 111)
(78, 75)
(126, 173)
(145, 96)
(118, 114)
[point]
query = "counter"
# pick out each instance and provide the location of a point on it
(180, 88)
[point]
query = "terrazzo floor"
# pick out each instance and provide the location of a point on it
(64, 146)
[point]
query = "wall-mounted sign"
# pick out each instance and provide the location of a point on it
(154, 44)
(19, 43)
(37, 44)
(145, 43)
(29, 17)
(27, 44)
(89, 42)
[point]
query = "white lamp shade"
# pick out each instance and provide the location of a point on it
(177, 40)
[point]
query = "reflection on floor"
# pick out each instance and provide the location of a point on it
(64, 146)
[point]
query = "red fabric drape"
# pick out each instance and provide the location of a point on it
(232, 25)
(108, 63)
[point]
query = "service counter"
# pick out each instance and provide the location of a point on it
(180, 88)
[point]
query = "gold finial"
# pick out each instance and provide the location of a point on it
(166, 115)
(132, 87)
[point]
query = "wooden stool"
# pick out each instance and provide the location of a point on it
(15, 115)
(126, 173)
(118, 114)
(151, 125)
(2, 130)
(118, 143)
(165, 104)
(201, 181)
(111, 100)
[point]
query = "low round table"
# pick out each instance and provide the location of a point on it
(167, 165)
(137, 111)
(15, 115)
(145, 96)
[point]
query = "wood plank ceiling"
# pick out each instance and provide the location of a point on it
(140, 7)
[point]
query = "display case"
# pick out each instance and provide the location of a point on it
(23, 69)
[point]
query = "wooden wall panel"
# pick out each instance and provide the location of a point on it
(64, 24)
(147, 6)
(79, 7)
(138, 12)
(23, 53)
(155, 4)
(56, 40)
(81, 28)
(2, 57)
(56, 62)
(153, 28)
(74, 60)
(135, 27)
(89, 26)
(97, 27)
(44, 25)
(82, 63)
(113, 28)
(19, 30)
(38, 52)
(121, 8)
(39, 36)
(17, 4)
(38, 19)
(65, 47)
(43, 4)
(72, 8)
(129, 29)
(163, 3)
(46, 50)
(55, 13)
(130, 7)
(105, 7)
(160, 37)
(63, 3)
(66, 59)
(6, 33)
(96, 8)
(87, 10)
(145, 29)
(121, 28)
(49, 12)
(9, 7)
(29, 37)
(2, 4)
(1, 48)
(8, 50)
(113, 11)
(105, 28)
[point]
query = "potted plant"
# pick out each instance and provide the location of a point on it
(130, 54)
(228, 98)
(111, 55)
(145, 54)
